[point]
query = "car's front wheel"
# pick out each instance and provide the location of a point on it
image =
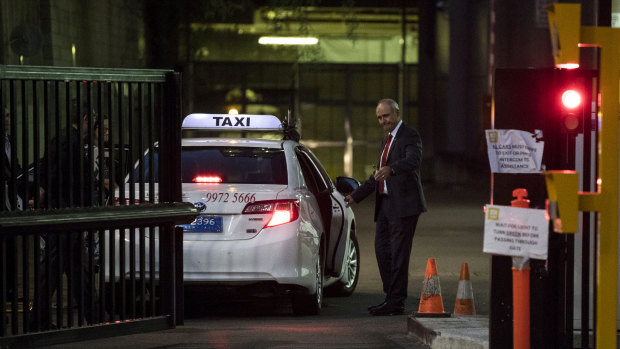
(346, 285)
(310, 304)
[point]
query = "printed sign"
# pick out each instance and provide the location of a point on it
(514, 151)
(514, 231)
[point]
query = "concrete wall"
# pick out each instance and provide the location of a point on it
(23, 14)
(108, 33)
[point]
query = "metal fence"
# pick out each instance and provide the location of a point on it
(79, 220)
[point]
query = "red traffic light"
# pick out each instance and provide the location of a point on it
(571, 99)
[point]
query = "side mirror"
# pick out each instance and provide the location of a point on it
(346, 185)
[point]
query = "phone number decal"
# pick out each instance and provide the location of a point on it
(228, 197)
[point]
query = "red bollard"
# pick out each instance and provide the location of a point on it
(520, 287)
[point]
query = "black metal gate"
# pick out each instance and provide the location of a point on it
(87, 228)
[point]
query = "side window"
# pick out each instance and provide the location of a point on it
(317, 164)
(312, 177)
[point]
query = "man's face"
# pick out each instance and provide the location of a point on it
(387, 117)
(106, 131)
(85, 126)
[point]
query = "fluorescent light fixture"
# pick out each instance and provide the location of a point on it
(287, 40)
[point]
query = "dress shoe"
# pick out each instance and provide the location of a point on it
(371, 307)
(388, 310)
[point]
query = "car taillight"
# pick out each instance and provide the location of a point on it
(282, 211)
(207, 179)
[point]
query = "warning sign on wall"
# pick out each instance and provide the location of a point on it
(514, 151)
(514, 231)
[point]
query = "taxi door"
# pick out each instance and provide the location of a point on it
(332, 209)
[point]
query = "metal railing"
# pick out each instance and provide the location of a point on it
(79, 222)
(119, 292)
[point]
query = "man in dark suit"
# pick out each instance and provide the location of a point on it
(399, 203)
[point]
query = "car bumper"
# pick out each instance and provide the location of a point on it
(284, 254)
(275, 254)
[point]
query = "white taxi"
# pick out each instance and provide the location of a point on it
(270, 216)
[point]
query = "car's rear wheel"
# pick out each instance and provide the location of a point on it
(310, 304)
(346, 285)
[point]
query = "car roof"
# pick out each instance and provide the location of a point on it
(236, 142)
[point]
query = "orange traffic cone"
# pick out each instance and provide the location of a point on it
(431, 303)
(464, 304)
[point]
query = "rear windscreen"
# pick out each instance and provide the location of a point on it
(241, 165)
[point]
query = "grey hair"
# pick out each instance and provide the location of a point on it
(392, 103)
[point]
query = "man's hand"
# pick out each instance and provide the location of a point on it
(383, 173)
(349, 200)
(41, 198)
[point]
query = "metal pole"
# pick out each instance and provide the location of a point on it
(520, 286)
(607, 198)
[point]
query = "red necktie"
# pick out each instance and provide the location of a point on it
(384, 160)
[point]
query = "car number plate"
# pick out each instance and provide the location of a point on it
(210, 224)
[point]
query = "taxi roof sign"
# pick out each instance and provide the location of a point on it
(245, 122)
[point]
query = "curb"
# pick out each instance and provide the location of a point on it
(471, 332)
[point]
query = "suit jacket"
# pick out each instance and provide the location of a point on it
(404, 185)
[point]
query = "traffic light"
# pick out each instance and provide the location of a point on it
(571, 101)
(572, 110)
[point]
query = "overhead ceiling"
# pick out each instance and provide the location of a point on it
(357, 22)
(347, 34)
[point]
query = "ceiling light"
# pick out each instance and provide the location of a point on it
(287, 40)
